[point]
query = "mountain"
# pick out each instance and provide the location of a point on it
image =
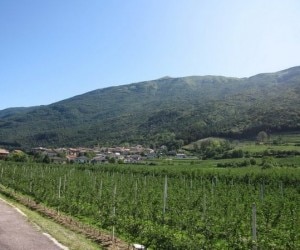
(170, 111)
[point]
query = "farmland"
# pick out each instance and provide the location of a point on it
(172, 205)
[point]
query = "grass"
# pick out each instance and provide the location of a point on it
(63, 235)
(252, 147)
(287, 142)
(290, 137)
(289, 161)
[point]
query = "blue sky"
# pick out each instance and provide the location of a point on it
(52, 50)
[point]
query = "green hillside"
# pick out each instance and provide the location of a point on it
(170, 111)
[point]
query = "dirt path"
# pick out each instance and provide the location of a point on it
(16, 233)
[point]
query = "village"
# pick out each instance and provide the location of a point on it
(95, 155)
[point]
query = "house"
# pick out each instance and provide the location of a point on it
(138, 247)
(58, 160)
(148, 151)
(81, 159)
(3, 153)
(180, 156)
(50, 152)
(118, 156)
(71, 158)
(133, 159)
(61, 151)
(137, 149)
(99, 159)
(39, 150)
(73, 152)
(151, 155)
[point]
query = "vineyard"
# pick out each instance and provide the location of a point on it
(165, 207)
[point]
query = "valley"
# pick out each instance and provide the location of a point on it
(176, 163)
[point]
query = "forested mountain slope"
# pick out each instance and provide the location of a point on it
(169, 111)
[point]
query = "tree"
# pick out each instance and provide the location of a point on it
(212, 147)
(46, 159)
(18, 156)
(112, 160)
(237, 153)
(268, 162)
(262, 137)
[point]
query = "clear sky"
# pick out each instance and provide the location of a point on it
(51, 50)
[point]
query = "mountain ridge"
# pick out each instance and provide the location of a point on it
(170, 111)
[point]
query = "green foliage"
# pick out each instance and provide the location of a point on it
(46, 159)
(268, 162)
(211, 147)
(89, 155)
(112, 160)
(237, 153)
(168, 111)
(18, 156)
(252, 161)
(262, 137)
(237, 164)
(206, 208)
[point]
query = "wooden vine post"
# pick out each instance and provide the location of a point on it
(165, 194)
(254, 235)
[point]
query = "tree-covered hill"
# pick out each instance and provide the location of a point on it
(170, 111)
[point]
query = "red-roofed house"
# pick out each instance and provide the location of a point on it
(3, 153)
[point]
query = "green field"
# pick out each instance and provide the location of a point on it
(279, 141)
(174, 204)
(261, 148)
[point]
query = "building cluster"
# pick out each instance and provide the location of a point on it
(96, 155)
